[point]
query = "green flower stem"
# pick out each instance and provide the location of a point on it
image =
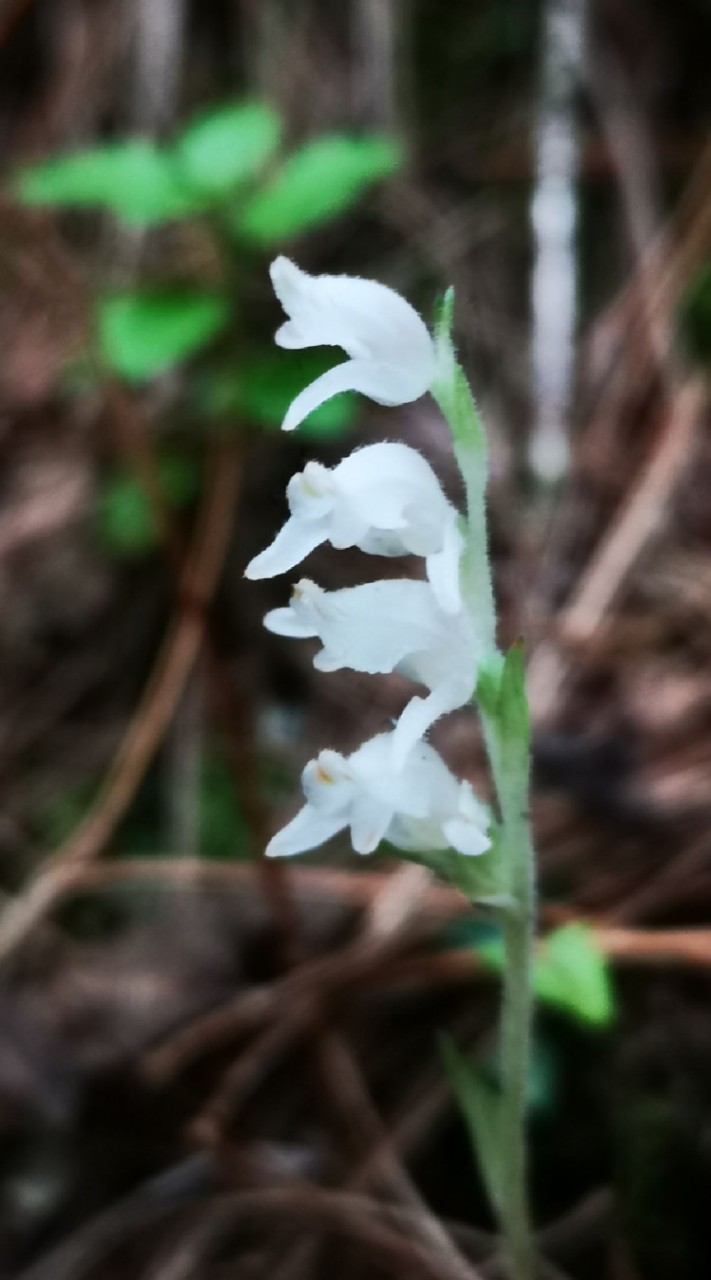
(517, 1011)
(515, 1053)
(504, 715)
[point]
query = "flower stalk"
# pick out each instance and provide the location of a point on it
(439, 632)
(517, 1005)
(503, 708)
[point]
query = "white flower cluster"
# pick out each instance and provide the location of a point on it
(386, 500)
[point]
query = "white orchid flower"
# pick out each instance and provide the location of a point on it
(392, 358)
(384, 499)
(394, 625)
(420, 808)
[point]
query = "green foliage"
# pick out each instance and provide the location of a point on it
(572, 973)
(477, 1088)
(262, 392)
(483, 879)
(226, 146)
(512, 703)
(544, 1076)
(501, 693)
(222, 830)
(318, 181)
(143, 332)
(144, 184)
(696, 315)
(480, 1104)
(135, 180)
(126, 521)
(569, 973)
(59, 817)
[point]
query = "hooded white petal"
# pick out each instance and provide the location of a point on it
(422, 807)
(380, 382)
(384, 499)
(391, 352)
(393, 625)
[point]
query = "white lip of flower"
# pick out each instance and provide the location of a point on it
(394, 625)
(384, 499)
(420, 808)
(392, 358)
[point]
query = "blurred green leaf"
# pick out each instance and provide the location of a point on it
(695, 315)
(262, 392)
(316, 183)
(570, 973)
(126, 520)
(544, 1076)
(480, 1104)
(223, 147)
(62, 813)
(223, 831)
(144, 332)
(134, 179)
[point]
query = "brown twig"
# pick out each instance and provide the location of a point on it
(173, 666)
(387, 1230)
(135, 441)
(629, 535)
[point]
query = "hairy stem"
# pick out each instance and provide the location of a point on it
(507, 739)
(515, 1056)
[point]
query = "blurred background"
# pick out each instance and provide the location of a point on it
(214, 1066)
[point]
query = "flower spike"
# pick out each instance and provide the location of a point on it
(392, 358)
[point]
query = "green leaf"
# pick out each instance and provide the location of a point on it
(501, 693)
(480, 1104)
(569, 973)
(142, 333)
(445, 354)
(572, 973)
(223, 147)
(489, 684)
(134, 179)
(126, 520)
(316, 183)
(262, 392)
(512, 711)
